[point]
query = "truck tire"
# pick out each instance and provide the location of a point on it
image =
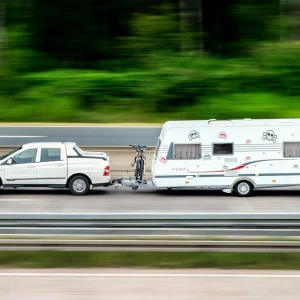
(79, 185)
(243, 188)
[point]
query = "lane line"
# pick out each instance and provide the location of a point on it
(152, 275)
(15, 200)
(83, 126)
(168, 214)
(22, 136)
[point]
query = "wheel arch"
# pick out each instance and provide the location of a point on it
(244, 178)
(78, 174)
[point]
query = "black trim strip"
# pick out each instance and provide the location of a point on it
(35, 185)
(52, 178)
(81, 156)
(222, 175)
(35, 178)
(21, 179)
(102, 184)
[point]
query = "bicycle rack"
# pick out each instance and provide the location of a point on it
(134, 184)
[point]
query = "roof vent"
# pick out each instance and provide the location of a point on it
(220, 122)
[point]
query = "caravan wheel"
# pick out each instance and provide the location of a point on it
(243, 188)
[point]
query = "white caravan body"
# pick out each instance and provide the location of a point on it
(227, 154)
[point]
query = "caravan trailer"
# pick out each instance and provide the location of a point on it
(229, 155)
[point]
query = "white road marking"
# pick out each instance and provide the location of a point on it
(151, 275)
(15, 200)
(22, 136)
(85, 126)
(169, 214)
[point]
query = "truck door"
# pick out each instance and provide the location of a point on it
(22, 171)
(52, 167)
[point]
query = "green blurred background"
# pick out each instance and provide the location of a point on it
(148, 61)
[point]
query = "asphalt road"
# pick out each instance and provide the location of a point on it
(147, 200)
(131, 284)
(83, 135)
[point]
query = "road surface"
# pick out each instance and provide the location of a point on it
(147, 200)
(137, 284)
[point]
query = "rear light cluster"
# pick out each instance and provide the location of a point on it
(106, 171)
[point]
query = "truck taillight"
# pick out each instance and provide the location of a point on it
(106, 171)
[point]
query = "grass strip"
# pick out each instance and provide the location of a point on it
(170, 260)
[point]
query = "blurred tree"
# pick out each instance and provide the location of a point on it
(290, 15)
(153, 32)
(2, 33)
(82, 31)
(233, 27)
(191, 24)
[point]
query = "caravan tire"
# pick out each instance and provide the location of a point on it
(243, 188)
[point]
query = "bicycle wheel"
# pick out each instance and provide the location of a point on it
(142, 165)
(137, 172)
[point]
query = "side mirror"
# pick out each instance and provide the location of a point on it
(10, 161)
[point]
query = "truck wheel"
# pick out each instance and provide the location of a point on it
(243, 189)
(79, 185)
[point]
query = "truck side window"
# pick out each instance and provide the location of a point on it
(187, 151)
(222, 148)
(291, 149)
(50, 154)
(25, 157)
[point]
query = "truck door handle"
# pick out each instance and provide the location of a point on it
(30, 166)
(60, 164)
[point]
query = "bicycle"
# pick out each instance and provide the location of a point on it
(139, 163)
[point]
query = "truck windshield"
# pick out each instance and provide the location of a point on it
(9, 153)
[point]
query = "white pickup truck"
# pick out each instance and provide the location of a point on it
(56, 165)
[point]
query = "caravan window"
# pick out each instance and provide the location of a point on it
(187, 151)
(291, 149)
(224, 148)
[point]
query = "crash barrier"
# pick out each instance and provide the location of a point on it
(149, 224)
(68, 243)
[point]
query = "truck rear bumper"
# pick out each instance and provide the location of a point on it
(102, 184)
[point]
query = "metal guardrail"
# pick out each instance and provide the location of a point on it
(149, 232)
(148, 245)
(152, 224)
